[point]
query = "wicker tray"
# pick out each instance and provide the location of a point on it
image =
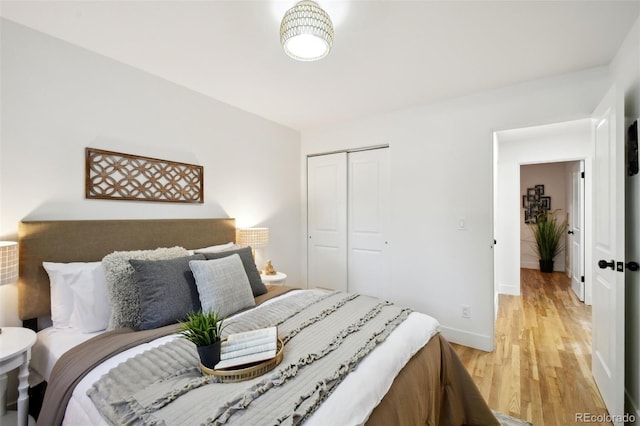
(231, 375)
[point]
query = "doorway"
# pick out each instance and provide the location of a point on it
(556, 187)
(599, 140)
(553, 143)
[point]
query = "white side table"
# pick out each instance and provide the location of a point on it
(277, 279)
(15, 351)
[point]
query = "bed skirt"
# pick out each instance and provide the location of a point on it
(433, 389)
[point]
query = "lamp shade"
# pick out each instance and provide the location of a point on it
(254, 237)
(306, 32)
(8, 262)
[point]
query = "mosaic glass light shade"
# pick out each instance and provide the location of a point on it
(8, 262)
(306, 32)
(254, 237)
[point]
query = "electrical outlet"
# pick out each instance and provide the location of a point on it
(466, 311)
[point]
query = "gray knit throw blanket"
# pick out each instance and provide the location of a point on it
(325, 337)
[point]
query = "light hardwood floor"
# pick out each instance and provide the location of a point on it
(540, 370)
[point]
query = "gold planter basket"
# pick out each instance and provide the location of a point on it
(232, 375)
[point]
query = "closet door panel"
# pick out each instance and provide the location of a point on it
(368, 213)
(327, 221)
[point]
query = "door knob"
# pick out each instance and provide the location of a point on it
(632, 266)
(570, 232)
(603, 264)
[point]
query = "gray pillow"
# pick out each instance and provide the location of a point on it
(168, 291)
(257, 286)
(223, 285)
(122, 286)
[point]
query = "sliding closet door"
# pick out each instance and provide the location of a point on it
(368, 213)
(327, 221)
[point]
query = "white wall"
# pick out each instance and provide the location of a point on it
(564, 141)
(441, 170)
(553, 177)
(58, 99)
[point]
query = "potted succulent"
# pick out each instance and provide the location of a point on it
(548, 232)
(205, 330)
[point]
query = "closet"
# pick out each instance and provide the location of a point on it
(347, 222)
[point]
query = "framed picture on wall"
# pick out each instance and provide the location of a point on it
(545, 202)
(533, 213)
(534, 203)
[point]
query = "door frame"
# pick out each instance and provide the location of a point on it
(555, 142)
(579, 217)
(586, 215)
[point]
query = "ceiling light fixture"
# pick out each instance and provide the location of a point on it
(306, 32)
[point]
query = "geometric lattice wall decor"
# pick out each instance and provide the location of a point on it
(116, 176)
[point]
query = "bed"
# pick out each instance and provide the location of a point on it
(403, 372)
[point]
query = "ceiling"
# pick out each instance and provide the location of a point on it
(387, 55)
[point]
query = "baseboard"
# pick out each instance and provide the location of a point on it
(473, 340)
(557, 266)
(632, 409)
(513, 290)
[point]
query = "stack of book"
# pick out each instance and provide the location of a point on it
(248, 347)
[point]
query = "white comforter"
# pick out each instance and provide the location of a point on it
(51, 344)
(375, 373)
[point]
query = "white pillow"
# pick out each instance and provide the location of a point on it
(61, 294)
(91, 308)
(223, 285)
(78, 294)
(216, 249)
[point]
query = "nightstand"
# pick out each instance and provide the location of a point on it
(277, 279)
(15, 351)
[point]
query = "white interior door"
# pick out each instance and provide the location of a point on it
(327, 221)
(577, 237)
(368, 213)
(608, 252)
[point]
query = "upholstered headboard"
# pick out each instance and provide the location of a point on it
(91, 240)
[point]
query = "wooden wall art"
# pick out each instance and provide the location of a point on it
(116, 176)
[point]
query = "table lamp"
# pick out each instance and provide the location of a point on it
(8, 263)
(252, 237)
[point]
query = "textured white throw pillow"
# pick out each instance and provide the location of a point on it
(223, 285)
(122, 285)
